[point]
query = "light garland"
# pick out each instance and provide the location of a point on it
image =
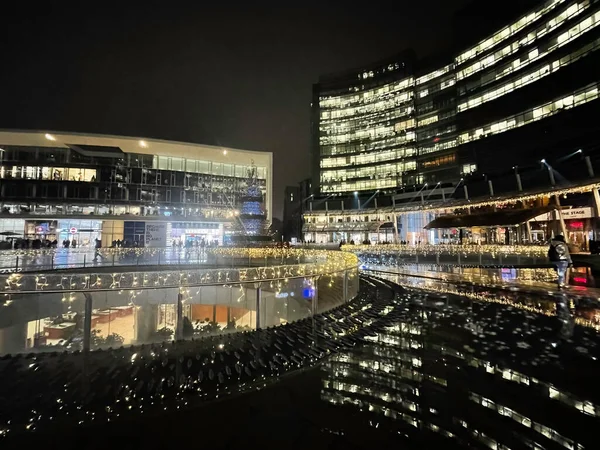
(537, 251)
(464, 204)
(305, 264)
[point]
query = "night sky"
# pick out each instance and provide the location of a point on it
(232, 76)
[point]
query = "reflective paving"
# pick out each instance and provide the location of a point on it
(479, 368)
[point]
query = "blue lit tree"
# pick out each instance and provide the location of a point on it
(253, 218)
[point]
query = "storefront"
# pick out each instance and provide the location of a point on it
(83, 232)
(579, 226)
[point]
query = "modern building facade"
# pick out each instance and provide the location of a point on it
(484, 117)
(65, 186)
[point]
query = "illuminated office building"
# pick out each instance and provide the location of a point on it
(524, 93)
(64, 186)
(396, 124)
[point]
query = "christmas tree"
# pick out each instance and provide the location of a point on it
(253, 218)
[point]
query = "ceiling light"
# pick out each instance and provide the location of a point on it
(50, 137)
(143, 144)
(225, 152)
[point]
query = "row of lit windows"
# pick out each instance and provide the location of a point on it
(544, 29)
(428, 120)
(359, 147)
(363, 185)
(48, 173)
(368, 134)
(367, 96)
(579, 97)
(440, 161)
(443, 84)
(379, 104)
(368, 158)
(436, 132)
(585, 407)
(358, 134)
(544, 48)
(438, 146)
(435, 74)
(506, 32)
(383, 170)
(525, 421)
(547, 69)
(358, 122)
(207, 167)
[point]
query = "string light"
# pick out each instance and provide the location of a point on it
(466, 204)
(536, 251)
(288, 264)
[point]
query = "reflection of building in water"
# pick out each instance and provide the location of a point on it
(427, 377)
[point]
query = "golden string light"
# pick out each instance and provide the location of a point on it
(537, 251)
(465, 204)
(288, 263)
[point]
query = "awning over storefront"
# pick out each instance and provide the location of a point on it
(503, 218)
(345, 227)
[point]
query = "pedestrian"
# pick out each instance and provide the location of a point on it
(558, 254)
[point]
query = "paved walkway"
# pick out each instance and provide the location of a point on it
(511, 279)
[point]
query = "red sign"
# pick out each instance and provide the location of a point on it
(73, 230)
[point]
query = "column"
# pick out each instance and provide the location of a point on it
(258, 305)
(396, 238)
(179, 318)
(596, 211)
(563, 228)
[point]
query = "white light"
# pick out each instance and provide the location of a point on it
(543, 161)
(50, 137)
(580, 151)
(143, 144)
(225, 152)
(355, 192)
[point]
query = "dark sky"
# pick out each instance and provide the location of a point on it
(238, 76)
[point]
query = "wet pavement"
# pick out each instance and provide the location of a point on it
(479, 367)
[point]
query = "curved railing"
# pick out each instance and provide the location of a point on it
(84, 310)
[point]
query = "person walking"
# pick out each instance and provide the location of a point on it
(558, 254)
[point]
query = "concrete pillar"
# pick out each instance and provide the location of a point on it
(529, 235)
(588, 164)
(563, 227)
(396, 237)
(596, 210)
